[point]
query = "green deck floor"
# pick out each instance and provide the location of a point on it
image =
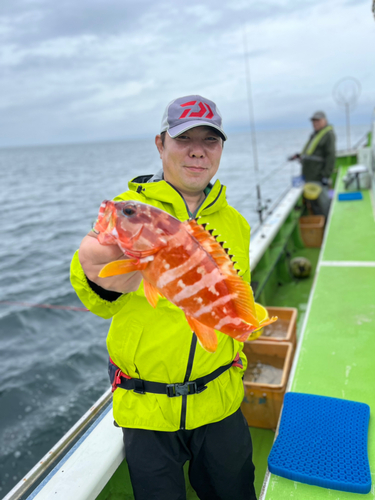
(296, 294)
(337, 345)
(293, 294)
(351, 230)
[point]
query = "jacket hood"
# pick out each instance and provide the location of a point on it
(164, 192)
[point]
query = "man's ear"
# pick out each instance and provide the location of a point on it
(159, 144)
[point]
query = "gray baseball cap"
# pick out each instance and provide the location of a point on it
(188, 112)
(318, 115)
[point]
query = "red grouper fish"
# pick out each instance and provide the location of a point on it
(182, 262)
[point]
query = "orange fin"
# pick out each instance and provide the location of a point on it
(206, 335)
(122, 267)
(268, 321)
(152, 293)
(257, 332)
(211, 246)
(244, 302)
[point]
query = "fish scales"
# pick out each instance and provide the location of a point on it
(196, 277)
(183, 263)
(196, 286)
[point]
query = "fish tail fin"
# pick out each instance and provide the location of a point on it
(254, 332)
(244, 302)
(268, 321)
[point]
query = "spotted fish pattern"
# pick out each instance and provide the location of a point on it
(184, 263)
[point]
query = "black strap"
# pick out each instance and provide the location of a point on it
(102, 292)
(172, 390)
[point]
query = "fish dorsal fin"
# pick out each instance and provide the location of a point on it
(212, 247)
(244, 302)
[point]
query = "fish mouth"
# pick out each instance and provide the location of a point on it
(107, 217)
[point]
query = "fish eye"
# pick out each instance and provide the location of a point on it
(128, 211)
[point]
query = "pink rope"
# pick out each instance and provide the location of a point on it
(44, 306)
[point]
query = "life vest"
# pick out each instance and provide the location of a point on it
(313, 142)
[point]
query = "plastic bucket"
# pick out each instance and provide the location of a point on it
(312, 190)
(312, 230)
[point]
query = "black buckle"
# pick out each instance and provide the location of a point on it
(138, 386)
(174, 390)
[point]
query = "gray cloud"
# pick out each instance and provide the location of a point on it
(32, 21)
(41, 20)
(88, 70)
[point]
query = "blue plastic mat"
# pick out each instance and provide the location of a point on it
(323, 441)
(356, 195)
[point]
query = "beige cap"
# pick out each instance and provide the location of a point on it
(318, 115)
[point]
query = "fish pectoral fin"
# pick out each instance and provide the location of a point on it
(121, 267)
(152, 293)
(206, 335)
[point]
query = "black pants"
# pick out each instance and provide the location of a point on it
(220, 456)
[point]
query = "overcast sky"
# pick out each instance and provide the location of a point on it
(87, 70)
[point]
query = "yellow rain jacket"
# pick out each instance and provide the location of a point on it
(156, 344)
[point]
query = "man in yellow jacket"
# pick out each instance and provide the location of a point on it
(174, 401)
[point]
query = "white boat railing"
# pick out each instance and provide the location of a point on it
(270, 227)
(85, 470)
(45, 463)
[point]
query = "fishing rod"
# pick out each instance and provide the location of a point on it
(272, 172)
(260, 206)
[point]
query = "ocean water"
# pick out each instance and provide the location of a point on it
(53, 362)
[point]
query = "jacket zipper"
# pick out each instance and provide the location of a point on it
(193, 344)
(189, 368)
(187, 208)
(217, 197)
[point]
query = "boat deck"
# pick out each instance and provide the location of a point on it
(337, 341)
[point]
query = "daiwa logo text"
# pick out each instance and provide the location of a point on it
(203, 106)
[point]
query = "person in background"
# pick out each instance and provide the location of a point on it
(318, 160)
(196, 415)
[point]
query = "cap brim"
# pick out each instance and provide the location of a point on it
(179, 129)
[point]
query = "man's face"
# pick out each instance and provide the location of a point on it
(191, 159)
(319, 124)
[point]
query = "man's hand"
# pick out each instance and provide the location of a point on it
(93, 257)
(297, 156)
